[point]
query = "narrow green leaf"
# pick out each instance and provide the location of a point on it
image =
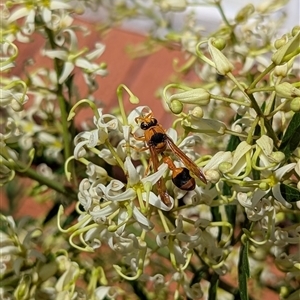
(233, 143)
(291, 138)
(217, 218)
(289, 193)
(229, 209)
(214, 283)
(244, 271)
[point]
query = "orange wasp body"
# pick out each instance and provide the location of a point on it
(157, 142)
(180, 176)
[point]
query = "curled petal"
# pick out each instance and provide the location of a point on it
(153, 178)
(67, 69)
(129, 194)
(156, 201)
(143, 221)
(239, 158)
(133, 176)
(99, 49)
(102, 292)
(137, 112)
(257, 195)
(219, 157)
(162, 239)
(283, 170)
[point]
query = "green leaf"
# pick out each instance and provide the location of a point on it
(217, 218)
(214, 283)
(291, 138)
(244, 271)
(289, 193)
(229, 209)
(233, 143)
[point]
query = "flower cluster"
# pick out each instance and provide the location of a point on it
(36, 132)
(123, 214)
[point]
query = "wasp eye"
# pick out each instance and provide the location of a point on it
(144, 125)
(153, 121)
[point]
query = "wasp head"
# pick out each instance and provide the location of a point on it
(146, 121)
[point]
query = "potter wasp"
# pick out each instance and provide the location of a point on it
(158, 142)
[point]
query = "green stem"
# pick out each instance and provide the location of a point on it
(261, 89)
(225, 99)
(219, 7)
(261, 76)
(53, 184)
(62, 105)
(268, 125)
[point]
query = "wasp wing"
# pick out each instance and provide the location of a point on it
(189, 164)
(161, 188)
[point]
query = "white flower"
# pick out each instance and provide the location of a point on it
(268, 159)
(41, 8)
(239, 162)
(274, 179)
(74, 57)
(255, 212)
(53, 145)
(211, 169)
(115, 199)
(102, 292)
(105, 124)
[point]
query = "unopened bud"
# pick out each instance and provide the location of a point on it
(225, 166)
(222, 64)
(197, 112)
(176, 107)
(280, 42)
(295, 104)
(287, 90)
(212, 176)
(197, 96)
(278, 156)
(287, 51)
(219, 43)
(281, 70)
(263, 186)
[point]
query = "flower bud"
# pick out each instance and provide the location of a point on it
(285, 53)
(222, 64)
(287, 90)
(281, 70)
(278, 156)
(295, 104)
(197, 112)
(219, 43)
(208, 126)
(212, 176)
(197, 96)
(280, 42)
(225, 166)
(263, 186)
(176, 106)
